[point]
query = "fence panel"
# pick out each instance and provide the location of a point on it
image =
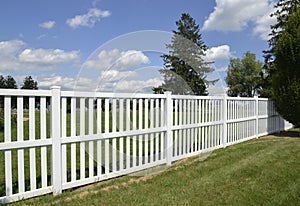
(54, 140)
(25, 145)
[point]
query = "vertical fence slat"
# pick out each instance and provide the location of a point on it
(134, 142)
(20, 133)
(224, 119)
(146, 135)
(106, 122)
(121, 129)
(82, 133)
(176, 124)
(7, 138)
(128, 155)
(188, 131)
(114, 129)
(184, 123)
(43, 133)
(99, 142)
(151, 127)
(156, 126)
(163, 123)
(140, 128)
(64, 135)
(91, 132)
(32, 137)
(180, 145)
(73, 134)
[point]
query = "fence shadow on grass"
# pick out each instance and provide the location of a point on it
(291, 134)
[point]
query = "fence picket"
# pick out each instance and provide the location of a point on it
(43, 133)
(73, 133)
(107, 152)
(20, 133)
(63, 135)
(32, 137)
(134, 138)
(140, 128)
(7, 138)
(99, 142)
(151, 127)
(82, 133)
(114, 129)
(121, 129)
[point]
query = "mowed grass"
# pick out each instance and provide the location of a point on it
(264, 171)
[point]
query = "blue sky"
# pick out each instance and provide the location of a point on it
(57, 42)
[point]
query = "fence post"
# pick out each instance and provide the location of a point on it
(56, 140)
(169, 123)
(224, 119)
(256, 115)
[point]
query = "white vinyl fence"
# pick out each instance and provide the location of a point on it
(52, 140)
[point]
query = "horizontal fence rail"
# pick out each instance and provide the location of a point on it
(52, 140)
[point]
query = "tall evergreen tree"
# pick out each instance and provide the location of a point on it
(284, 9)
(184, 69)
(286, 78)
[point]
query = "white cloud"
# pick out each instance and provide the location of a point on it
(8, 48)
(217, 53)
(15, 56)
(89, 19)
(131, 59)
(85, 84)
(66, 83)
(263, 23)
(137, 86)
(235, 15)
(114, 75)
(47, 24)
(116, 60)
(48, 56)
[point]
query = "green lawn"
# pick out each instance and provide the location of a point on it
(263, 171)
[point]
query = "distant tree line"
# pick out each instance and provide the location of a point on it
(9, 82)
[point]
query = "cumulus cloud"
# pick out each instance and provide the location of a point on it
(15, 56)
(235, 15)
(48, 56)
(137, 86)
(66, 83)
(217, 53)
(117, 60)
(89, 19)
(47, 24)
(8, 48)
(263, 23)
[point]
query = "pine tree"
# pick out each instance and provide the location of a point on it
(30, 83)
(286, 78)
(184, 69)
(284, 9)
